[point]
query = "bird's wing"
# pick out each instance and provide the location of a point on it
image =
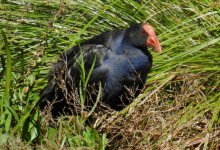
(68, 67)
(90, 55)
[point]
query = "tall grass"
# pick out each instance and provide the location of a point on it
(35, 32)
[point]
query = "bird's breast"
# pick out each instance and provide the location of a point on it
(121, 66)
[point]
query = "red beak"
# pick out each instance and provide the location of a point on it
(152, 40)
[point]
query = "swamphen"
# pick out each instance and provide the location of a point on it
(122, 62)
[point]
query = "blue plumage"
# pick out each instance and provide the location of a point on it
(122, 62)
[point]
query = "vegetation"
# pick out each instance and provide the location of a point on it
(178, 109)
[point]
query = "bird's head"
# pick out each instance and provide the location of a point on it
(144, 35)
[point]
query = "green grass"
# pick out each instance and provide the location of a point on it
(179, 107)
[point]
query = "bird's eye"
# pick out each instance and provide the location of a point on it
(143, 33)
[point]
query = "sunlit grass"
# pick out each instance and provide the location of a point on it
(38, 31)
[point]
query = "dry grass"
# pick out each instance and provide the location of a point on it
(156, 124)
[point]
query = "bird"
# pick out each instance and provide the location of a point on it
(120, 62)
